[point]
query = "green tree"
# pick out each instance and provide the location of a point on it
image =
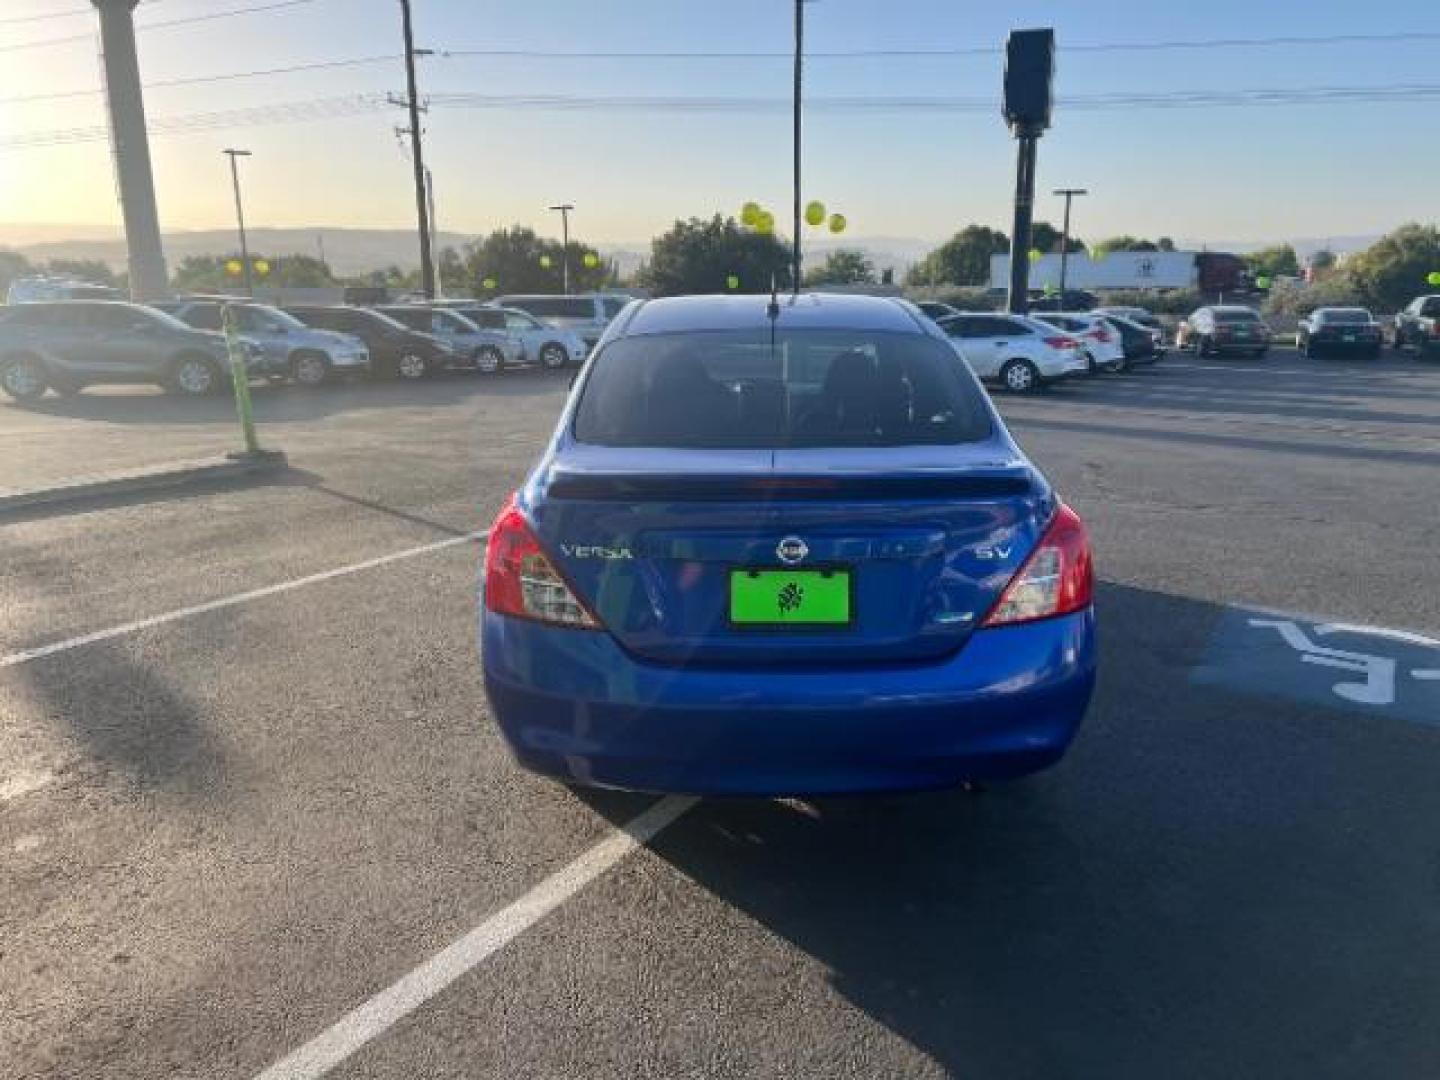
(1046, 237)
(699, 256)
(13, 265)
(1165, 244)
(1273, 262)
(1392, 271)
(91, 270)
(515, 259)
(843, 266)
(1322, 260)
(210, 273)
(1130, 243)
(964, 259)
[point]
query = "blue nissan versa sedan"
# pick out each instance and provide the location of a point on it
(785, 549)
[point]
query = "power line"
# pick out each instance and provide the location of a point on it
(187, 20)
(907, 54)
(359, 104)
(71, 13)
(194, 80)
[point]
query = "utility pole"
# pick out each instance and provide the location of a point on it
(131, 145)
(1069, 194)
(427, 267)
(434, 232)
(799, 80)
(564, 209)
(240, 218)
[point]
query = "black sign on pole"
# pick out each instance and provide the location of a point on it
(1029, 78)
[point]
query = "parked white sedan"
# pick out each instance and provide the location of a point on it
(1021, 353)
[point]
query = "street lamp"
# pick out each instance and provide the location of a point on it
(240, 217)
(1069, 194)
(564, 209)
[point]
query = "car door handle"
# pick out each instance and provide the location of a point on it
(1001, 344)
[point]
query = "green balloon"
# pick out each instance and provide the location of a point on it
(732, 282)
(488, 283)
(591, 260)
(545, 261)
(765, 222)
(815, 213)
(1036, 254)
(1433, 277)
(750, 213)
(838, 223)
(1262, 283)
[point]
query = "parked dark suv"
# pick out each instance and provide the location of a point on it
(1418, 327)
(70, 344)
(396, 351)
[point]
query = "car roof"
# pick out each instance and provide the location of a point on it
(808, 311)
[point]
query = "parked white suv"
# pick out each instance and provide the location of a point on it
(586, 314)
(1021, 353)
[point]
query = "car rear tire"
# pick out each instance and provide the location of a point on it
(489, 360)
(195, 376)
(23, 377)
(553, 356)
(310, 368)
(411, 366)
(1020, 377)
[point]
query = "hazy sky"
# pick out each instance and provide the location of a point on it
(1222, 173)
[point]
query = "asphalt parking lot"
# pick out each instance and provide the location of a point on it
(249, 793)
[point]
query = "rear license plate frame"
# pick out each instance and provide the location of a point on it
(798, 575)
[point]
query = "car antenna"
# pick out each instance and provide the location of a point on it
(773, 311)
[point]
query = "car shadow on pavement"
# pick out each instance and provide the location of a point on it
(1210, 885)
(283, 404)
(128, 725)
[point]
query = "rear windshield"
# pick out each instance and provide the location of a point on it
(1345, 315)
(1236, 315)
(806, 388)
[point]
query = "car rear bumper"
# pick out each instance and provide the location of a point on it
(574, 704)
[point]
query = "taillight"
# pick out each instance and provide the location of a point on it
(520, 579)
(1057, 579)
(1101, 334)
(1062, 343)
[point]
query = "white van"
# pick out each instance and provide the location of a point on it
(586, 314)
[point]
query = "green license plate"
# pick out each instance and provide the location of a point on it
(761, 598)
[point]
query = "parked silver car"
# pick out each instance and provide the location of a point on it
(587, 314)
(532, 340)
(289, 348)
(487, 351)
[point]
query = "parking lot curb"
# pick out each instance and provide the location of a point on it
(179, 474)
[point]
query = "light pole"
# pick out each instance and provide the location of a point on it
(564, 209)
(799, 81)
(240, 217)
(1069, 194)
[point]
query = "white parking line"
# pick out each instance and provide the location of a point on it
(26, 655)
(395, 1002)
(23, 784)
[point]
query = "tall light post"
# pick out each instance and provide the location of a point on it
(564, 209)
(240, 217)
(795, 256)
(1069, 194)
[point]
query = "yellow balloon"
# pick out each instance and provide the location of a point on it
(838, 223)
(732, 282)
(234, 267)
(765, 222)
(750, 213)
(815, 213)
(1036, 254)
(591, 260)
(545, 261)
(262, 267)
(488, 283)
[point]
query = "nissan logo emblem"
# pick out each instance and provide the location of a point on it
(792, 550)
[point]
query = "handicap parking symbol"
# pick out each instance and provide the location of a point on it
(1390, 672)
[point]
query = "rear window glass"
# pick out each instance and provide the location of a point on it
(1345, 315)
(1238, 316)
(806, 388)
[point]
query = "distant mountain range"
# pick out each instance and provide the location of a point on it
(356, 251)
